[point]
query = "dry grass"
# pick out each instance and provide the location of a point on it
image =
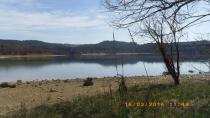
(36, 93)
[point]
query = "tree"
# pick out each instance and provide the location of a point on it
(163, 21)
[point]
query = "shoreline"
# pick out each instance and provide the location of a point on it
(28, 56)
(83, 54)
(203, 75)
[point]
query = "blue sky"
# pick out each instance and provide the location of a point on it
(59, 21)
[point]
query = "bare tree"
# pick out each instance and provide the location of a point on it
(130, 12)
(163, 21)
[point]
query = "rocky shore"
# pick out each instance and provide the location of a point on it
(34, 93)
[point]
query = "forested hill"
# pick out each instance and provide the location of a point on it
(186, 48)
(15, 47)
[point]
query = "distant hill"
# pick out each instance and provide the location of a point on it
(186, 48)
(15, 47)
(107, 47)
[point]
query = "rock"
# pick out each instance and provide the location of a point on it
(7, 85)
(165, 73)
(19, 82)
(88, 82)
(40, 83)
(206, 73)
(66, 80)
(191, 71)
(53, 90)
(27, 82)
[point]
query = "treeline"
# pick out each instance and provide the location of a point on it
(117, 47)
(186, 48)
(15, 47)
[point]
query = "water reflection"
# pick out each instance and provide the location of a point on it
(81, 67)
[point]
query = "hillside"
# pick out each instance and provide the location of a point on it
(15, 47)
(187, 48)
(107, 47)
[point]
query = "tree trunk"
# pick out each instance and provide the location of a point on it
(169, 65)
(176, 80)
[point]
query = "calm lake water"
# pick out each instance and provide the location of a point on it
(71, 68)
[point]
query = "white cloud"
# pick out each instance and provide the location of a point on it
(22, 3)
(17, 20)
(51, 25)
(15, 1)
(11, 18)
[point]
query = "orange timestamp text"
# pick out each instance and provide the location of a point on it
(144, 104)
(157, 104)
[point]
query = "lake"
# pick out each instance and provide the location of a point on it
(70, 68)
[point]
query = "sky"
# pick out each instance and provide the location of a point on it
(59, 21)
(56, 21)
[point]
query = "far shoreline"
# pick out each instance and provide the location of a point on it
(29, 56)
(82, 54)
